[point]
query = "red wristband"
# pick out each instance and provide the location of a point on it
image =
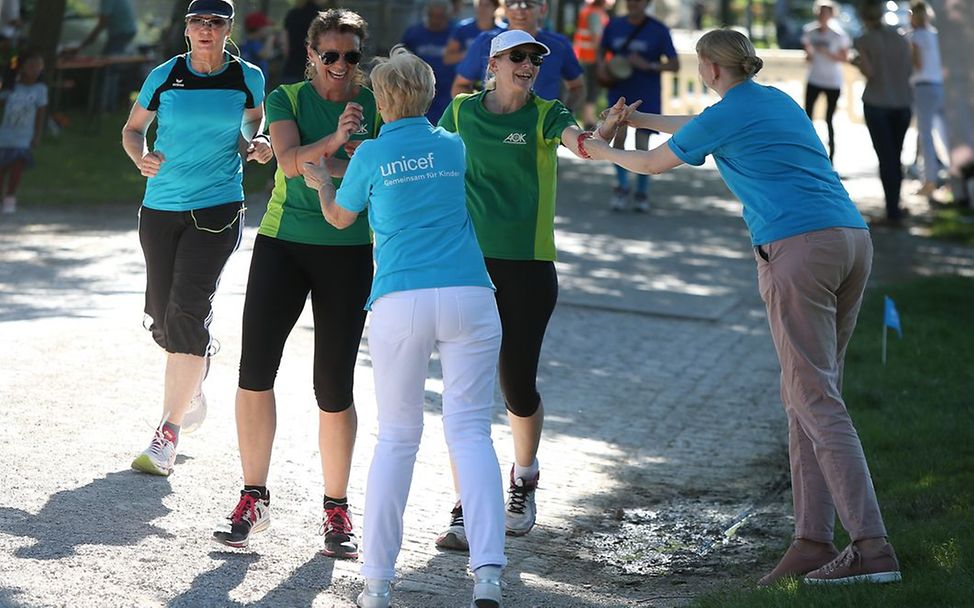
(581, 143)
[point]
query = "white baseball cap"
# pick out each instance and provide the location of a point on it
(512, 38)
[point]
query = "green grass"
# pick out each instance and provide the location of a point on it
(916, 421)
(86, 164)
(954, 224)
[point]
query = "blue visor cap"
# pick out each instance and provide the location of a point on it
(217, 8)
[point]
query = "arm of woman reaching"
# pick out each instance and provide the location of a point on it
(574, 138)
(659, 122)
(134, 144)
(317, 177)
(658, 160)
(291, 155)
(253, 145)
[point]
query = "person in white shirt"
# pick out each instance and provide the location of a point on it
(826, 48)
(928, 91)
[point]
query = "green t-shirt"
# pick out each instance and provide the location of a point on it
(293, 211)
(512, 171)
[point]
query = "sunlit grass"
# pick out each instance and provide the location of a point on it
(916, 421)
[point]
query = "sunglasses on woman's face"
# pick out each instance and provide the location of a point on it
(330, 57)
(519, 56)
(521, 4)
(214, 23)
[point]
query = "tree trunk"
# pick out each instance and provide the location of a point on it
(955, 20)
(45, 33)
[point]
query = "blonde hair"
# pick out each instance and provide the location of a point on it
(339, 20)
(730, 50)
(404, 84)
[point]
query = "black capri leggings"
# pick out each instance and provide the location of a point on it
(282, 274)
(185, 252)
(527, 291)
(832, 99)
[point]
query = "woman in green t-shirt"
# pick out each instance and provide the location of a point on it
(512, 138)
(296, 253)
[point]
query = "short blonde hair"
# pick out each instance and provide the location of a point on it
(403, 84)
(730, 50)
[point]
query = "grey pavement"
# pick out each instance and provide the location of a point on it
(663, 459)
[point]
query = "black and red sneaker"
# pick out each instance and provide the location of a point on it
(252, 514)
(336, 526)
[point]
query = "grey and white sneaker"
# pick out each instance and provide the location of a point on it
(486, 588)
(376, 594)
(520, 511)
(641, 202)
(620, 199)
(157, 459)
(455, 536)
(251, 515)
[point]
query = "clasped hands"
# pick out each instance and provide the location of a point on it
(611, 119)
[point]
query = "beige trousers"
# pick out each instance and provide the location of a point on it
(812, 285)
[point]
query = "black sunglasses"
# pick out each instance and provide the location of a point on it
(213, 22)
(330, 57)
(519, 56)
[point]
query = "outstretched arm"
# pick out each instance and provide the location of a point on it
(659, 122)
(655, 161)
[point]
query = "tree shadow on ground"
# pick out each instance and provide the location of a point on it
(92, 515)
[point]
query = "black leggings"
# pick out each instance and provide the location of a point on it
(282, 274)
(527, 291)
(185, 252)
(832, 99)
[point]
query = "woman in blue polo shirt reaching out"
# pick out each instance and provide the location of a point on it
(814, 255)
(431, 290)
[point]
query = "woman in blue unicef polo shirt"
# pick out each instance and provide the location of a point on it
(431, 290)
(207, 104)
(814, 255)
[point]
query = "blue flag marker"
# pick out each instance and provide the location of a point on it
(891, 318)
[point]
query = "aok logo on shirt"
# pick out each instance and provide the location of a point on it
(516, 138)
(407, 164)
(363, 129)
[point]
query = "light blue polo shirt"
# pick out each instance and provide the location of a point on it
(412, 179)
(198, 118)
(769, 155)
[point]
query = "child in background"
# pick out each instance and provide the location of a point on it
(259, 46)
(25, 107)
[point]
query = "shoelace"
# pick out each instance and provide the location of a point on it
(245, 509)
(336, 520)
(158, 444)
(456, 517)
(846, 558)
(519, 498)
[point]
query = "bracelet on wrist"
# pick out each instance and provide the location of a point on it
(580, 142)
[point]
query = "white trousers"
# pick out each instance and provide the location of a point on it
(463, 325)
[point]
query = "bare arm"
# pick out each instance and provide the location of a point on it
(453, 54)
(461, 85)
(917, 58)
(316, 177)
(659, 122)
(93, 34)
(655, 161)
(291, 155)
(575, 93)
(134, 144)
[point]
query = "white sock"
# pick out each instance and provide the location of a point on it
(527, 473)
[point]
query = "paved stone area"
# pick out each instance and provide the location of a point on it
(663, 425)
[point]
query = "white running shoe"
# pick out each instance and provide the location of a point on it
(521, 511)
(10, 204)
(376, 594)
(487, 589)
(455, 536)
(620, 199)
(157, 459)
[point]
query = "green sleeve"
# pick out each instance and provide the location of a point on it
(446, 121)
(278, 106)
(556, 120)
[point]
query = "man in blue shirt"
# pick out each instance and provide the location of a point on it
(427, 40)
(467, 30)
(560, 66)
(647, 47)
